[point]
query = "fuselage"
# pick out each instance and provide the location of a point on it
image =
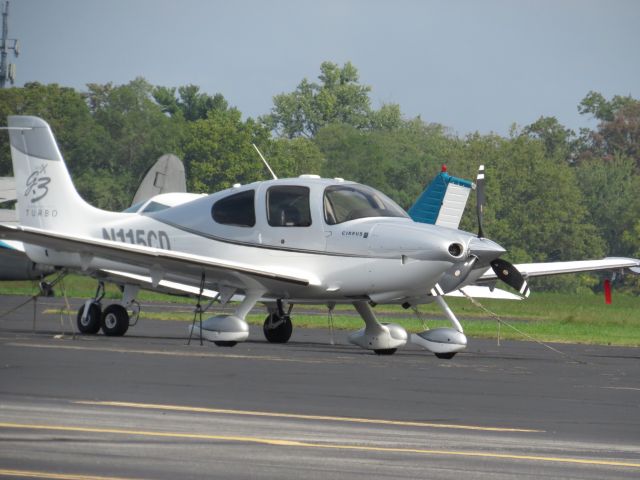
(356, 242)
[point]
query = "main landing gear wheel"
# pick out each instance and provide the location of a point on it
(90, 324)
(115, 320)
(385, 351)
(226, 343)
(446, 356)
(277, 329)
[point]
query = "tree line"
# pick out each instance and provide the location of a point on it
(552, 193)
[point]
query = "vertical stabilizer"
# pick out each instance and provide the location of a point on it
(442, 202)
(165, 176)
(46, 196)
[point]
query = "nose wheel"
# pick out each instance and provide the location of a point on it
(277, 328)
(446, 356)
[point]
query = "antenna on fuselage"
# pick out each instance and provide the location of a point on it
(265, 161)
(7, 71)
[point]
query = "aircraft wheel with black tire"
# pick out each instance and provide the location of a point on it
(91, 322)
(46, 290)
(277, 329)
(446, 356)
(115, 320)
(225, 343)
(385, 351)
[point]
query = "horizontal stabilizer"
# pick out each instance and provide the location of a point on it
(7, 189)
(476, 291)
(442, 202)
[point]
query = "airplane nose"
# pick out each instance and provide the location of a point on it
(418, 242)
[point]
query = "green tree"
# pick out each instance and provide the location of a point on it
(618, 130)
(602, 109)
(66, 112)
(294, 157)
(388, 117)
(137, 132)
(539, 210)
(399, 162)
(611, 194)
(558, 140)
(218, 151)
(188, 101)
(338, 98)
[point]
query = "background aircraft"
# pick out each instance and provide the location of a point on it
(280, 242)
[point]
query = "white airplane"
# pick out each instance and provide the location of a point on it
(279, 242)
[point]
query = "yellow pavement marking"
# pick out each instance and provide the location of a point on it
(362, 448)
(180, 408)
(61, 476)
(163, 352)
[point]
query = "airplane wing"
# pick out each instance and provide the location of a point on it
(557, 268)
(147, 283)
(477, 291)
(159, 262)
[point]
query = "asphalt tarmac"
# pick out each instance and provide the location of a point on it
(148, 405)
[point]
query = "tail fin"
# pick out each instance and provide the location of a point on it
(442, 202)
(46, 196)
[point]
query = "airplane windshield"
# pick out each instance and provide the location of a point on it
(348, 202)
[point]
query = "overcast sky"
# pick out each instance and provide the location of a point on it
(471, 65)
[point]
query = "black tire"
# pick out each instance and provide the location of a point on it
(91, 323)
(385, 351)
(281, 333)
(227, 343)
(46, 290)
(115, 320)
(446, 356)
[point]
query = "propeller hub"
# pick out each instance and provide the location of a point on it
(485, 250)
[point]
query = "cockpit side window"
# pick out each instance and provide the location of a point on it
(288, 206)
(348, 202)
(237, 210)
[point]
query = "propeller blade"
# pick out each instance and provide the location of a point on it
(480, 199)
(511, 276)
(452, 278)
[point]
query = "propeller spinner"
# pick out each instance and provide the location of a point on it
(479, 250)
